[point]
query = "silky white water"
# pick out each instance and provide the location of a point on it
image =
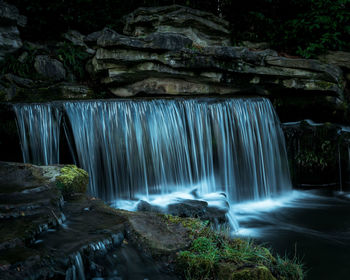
(145, 148)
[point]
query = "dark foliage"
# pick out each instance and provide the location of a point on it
(303, 27)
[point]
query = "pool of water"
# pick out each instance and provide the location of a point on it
(314, 225)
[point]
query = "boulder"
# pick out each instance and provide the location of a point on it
(203, 28)
(10, 20)
(145, 206)
(211, 207)
(75, 37)
(188, 208)
(49, 68)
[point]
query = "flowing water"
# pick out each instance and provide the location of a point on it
(312, 225)
(133, 147)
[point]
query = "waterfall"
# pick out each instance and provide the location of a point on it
(39, 131)
(132, 147)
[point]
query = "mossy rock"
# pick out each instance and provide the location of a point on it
(255, 273)
(72, 180)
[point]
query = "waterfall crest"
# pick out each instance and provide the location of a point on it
(132, 147)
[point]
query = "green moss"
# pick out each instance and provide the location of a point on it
(214, 255)
(260, 272)
(72, 180)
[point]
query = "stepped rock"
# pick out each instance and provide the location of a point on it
(158, 56)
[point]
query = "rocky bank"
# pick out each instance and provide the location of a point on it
(50, 229)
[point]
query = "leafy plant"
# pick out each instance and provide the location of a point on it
(73, 57)
(323, 25)
(21, 67)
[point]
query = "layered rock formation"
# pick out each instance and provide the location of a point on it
(178, 51)
(203, 28)
(10, 20)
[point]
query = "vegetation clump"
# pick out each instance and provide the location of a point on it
(72, 180)
(22, 66)
(215, 255)
(74, 58)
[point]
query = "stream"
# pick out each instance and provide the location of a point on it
(312, 224)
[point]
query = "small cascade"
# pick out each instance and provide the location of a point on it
(39, 130)
(76, 271)
(144, 147)
(79, 266)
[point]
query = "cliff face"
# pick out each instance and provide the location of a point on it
(179, 51)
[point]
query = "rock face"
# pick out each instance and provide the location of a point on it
(203, 28)
(10, 19)
(159, 56)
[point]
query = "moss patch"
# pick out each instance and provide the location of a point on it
(214, 255)
(72, 180)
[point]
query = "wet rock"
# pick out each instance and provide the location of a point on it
(147, 207)
(150, 233)
(49, 68)
(212, 207)
(213, 212)
(37, 246)
(188, 208)
(10, 19)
